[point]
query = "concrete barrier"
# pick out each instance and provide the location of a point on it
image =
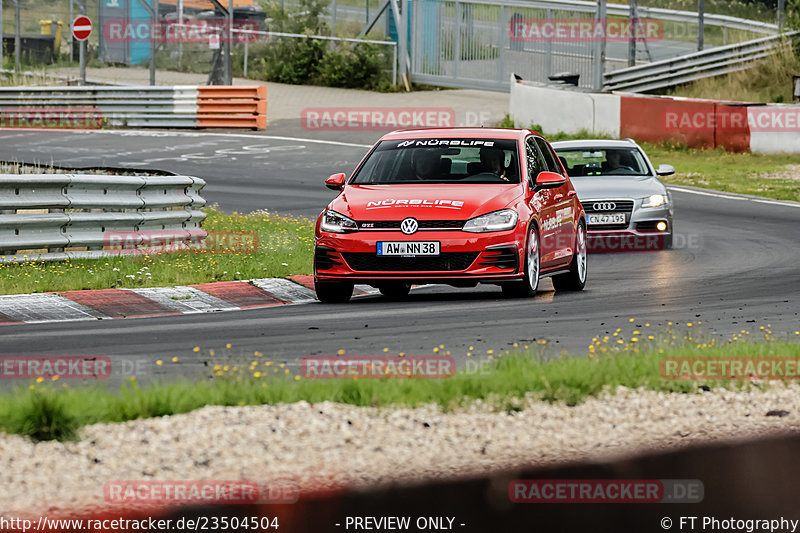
(697, 123)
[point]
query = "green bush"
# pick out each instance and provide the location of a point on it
(313, 61)
(359, 66)
(292, 60)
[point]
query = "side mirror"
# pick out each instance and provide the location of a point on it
(665, 170)
(549, 180)
(335, 181)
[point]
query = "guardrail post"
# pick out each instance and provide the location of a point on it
(700, 24)
(599, 56)
(17, 39)
(549, 46)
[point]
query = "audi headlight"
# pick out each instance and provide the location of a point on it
(655, 200)
(337, 223)
(498, 221)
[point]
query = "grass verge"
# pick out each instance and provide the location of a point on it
(47, 411)
(770, 176)
(774, 176)
(768, 80)
(283, 247)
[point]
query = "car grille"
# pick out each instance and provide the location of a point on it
(394, 225)
(505, 257)
(445, 262)
(620, 206)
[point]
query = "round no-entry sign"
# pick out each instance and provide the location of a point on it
(81, 28)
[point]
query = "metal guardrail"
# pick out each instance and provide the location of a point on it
(181, 106)
(694, 66)
(60, 216)
(709, 19)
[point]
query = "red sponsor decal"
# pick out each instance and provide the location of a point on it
(52, 366)
(376, 118)
(571, 30)
(378, 367)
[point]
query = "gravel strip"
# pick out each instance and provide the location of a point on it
(330, 445)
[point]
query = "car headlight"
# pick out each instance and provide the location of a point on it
(497, 221)
(337, 223)
(654, 200)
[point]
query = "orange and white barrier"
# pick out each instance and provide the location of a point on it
(97, 107)
(220, 106)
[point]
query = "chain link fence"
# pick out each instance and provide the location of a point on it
(459, 43)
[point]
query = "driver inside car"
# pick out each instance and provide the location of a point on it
(613, 164)
(493, 161)
(425, 163)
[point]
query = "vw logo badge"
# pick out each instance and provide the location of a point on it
(604, 206)
(409, 226)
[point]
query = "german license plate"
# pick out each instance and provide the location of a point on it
(598, 219)
(408, 248)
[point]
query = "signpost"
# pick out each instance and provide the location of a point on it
(81, 30)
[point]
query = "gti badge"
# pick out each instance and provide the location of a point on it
(409, 226)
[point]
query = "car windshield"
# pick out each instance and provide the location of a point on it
(603, 161)
(441, 161)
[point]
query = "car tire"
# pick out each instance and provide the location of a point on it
(395, 291)
(533, 265)
(668, 241)
(575, 279)
(333, 292)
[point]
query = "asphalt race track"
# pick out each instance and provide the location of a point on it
(736, 265)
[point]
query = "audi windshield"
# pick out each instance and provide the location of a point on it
(418, 161)
(604, 162)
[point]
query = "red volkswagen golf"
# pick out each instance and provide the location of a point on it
(458, 206)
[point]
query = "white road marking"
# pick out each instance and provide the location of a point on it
(737, 197)
(144, 133)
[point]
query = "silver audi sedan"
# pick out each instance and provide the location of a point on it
(627, 207)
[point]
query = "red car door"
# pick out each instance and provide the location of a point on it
(562, 200)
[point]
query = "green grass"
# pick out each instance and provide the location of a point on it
(284, 247)
(769, 80)
(46, 411)
(770, 176)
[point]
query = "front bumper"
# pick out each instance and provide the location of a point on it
(641, 233)
(464, 257)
